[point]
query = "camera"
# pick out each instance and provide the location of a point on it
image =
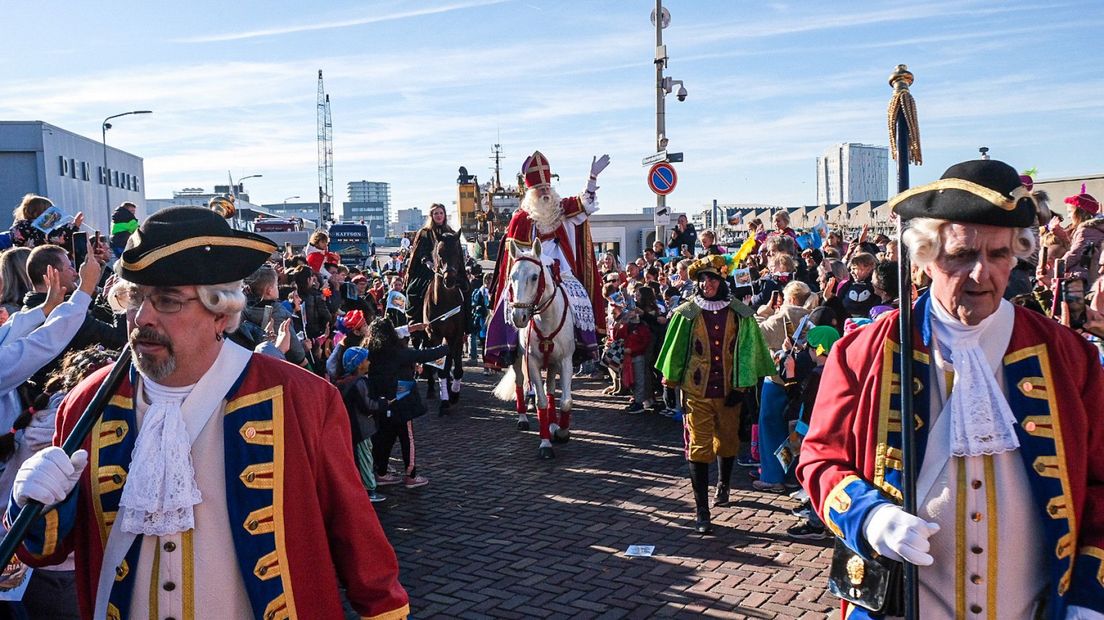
(681, 93)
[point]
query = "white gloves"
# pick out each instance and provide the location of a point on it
(597, 165)
(48, 476)
(899, 536)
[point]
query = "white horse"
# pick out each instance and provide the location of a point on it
(540, 311)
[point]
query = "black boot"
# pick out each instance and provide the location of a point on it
(724, 479)
(699, 479)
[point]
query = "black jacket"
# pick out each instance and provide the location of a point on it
(688, 237)
(386, 370)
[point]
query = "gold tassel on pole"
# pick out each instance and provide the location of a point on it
(902, 100)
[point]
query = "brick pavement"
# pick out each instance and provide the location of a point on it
(499, 533)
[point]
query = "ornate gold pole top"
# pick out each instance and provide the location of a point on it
(901, 78)
(902, 102)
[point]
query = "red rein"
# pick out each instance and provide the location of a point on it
(545, 343)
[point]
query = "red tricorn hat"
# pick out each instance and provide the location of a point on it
(536, 170)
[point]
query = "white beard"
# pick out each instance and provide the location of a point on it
(546, 212)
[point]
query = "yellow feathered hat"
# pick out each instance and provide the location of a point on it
(714, 264)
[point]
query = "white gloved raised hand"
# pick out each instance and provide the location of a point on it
(899, 536)
(597, 165)
(48, 476)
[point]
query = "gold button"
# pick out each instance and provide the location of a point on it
(1039, 467)
(976, 484)
(119, 432)
(117, 479)
(1029, 427)
(975, 579)
(1052, 509)
(976, 550)
(253, 524)
(262, 570)
(716, 343)
(975, 609)
(1027, 387)
(169, 586)
(119, 571)
(716, 358)
(249, 477)
(976, 517)
(169, 546)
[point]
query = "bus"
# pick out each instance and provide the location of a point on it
(351, 242)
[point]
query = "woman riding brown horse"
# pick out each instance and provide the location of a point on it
(443, 311)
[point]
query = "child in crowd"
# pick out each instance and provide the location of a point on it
(364, 409)
(819, 342)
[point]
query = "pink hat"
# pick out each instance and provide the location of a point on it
(1084, 201)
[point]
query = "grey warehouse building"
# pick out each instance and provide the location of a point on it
(67, 168)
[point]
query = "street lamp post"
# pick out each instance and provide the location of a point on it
(234, 193)
(105, 176)
(289, 198)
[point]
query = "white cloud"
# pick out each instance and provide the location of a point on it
(374, 18)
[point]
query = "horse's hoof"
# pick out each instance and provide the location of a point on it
(523, 425)
(561, 436)
(546, 453)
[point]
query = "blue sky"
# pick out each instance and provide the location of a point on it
(419, 88)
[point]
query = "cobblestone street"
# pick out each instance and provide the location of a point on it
(500, 533)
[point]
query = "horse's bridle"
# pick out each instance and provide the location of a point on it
(536, 306)
(545, 342)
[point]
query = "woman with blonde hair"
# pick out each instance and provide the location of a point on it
(16, 282)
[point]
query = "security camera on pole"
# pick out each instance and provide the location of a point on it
(662, 180)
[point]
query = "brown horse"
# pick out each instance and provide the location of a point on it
(445, 295)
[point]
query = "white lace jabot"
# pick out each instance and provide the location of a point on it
(161, 490)
(981, 420)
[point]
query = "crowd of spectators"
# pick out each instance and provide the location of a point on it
(62, 320)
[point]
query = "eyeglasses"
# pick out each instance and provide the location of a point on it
(161, 302)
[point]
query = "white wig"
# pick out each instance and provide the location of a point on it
(924, 238)
(228, 299)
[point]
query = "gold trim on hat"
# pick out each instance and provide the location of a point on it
(195, 242)
(991, 196)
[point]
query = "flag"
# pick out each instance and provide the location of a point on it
(809, 240)
(821, 228)
(396, 301)
(735, 218)
(744, 250)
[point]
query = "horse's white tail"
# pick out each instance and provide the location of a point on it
(505, 388)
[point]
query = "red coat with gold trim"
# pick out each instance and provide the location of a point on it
(313, 519)
(851, 457)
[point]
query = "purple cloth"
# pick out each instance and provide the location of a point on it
(502, 340)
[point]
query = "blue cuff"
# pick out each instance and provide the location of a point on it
(51, 527)
(845, 509)
(1087, 582)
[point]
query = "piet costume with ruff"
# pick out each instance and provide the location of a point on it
(275, 518)
(713, 349)
(1008, 436)
(569, 247)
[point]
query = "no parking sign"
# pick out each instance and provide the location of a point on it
(662, 178)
